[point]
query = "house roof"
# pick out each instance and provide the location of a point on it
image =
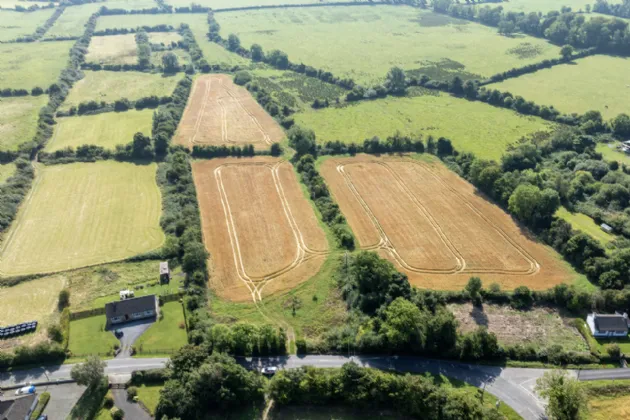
(16, 408)
(129, 306)
(612, 323)
(164, 267)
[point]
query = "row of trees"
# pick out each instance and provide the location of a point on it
(8, 92)
(143, 49)
(123, 31)
(41, 30)
(621, 10)
(209, 152)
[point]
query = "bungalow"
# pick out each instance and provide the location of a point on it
(131, 310)
(608, 325)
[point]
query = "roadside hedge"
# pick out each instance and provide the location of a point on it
(44, 397)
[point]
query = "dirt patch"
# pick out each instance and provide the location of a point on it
(542, 327)
(435, 226)
(220, 113)
(259, 229)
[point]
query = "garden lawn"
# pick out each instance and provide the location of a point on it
(108, 86)
(586, 224)
(597, 83)
(84, 214)
(88, 336)
(18, 120)
(473, 127)
(150, 396)
(166, 333)
(106, 130)
(32, 64)
(609, 152)
(72, 21)
(17, 24)
(6, 171)
(364, 43)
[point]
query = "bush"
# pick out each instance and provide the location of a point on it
(64, 299)
(242, 78)
(108, 401)
(132, 392)
(613, 351)
(55, 333)
(117, 413)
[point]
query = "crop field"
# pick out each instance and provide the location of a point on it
(18, 120)
(380, 37)
(84, 214)
(473, 127)
(586, 224)
(540, 327)
(27, 65)
(221, 113)
(106, 130)
(403, 209)
(16, 24)
(6, 171)
(108, 86)
(597, 82)
(72, 21)
(261, 232)
(113, 49)
(544, 5)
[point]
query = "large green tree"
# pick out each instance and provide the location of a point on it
(90, 373)
(566, 399)
(396, 81)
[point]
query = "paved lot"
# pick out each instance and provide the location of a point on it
(62, 399)
(131, 332)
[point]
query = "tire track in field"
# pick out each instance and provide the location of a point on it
(266, 137)
(202, 110)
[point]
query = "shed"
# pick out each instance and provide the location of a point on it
(606, 228)
(165, 273)
(131, 310)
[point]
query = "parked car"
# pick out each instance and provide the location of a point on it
(118, 333)
(26, 390)
(269, 370)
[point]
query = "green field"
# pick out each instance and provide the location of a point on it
(183, 58)
(18, 120)
(12, 4)
(27, 65)
(113, 49)
(472, 126)
(130, 4)
(167, 333)
(111, 85)
(597, 82)
(106, 130)
(224, 4)
(84, 214)
(610, 152)
(72, 21)
(33, 299)
(88, 336)
(584, 223)
(365, 42)
(16, 24)
(545, 6)
(164, 37)
(150, 396)
(6, 171)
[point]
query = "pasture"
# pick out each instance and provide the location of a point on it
(84, 214)
(221, 113)
(16, 24)
(597, 82)
(540, 327)
(183, 58)
(131, 4)
(18, 120)
(106, 130)
(72, 21)
(473, 127)
(108, 86)
(28, 65)
(378, 38)
(6, 171)
(113, 49)
(165, 38)
(403, 209)
(224, 4)
(610, 152)
(260, 230)
(586, 224)
(544, 6)
(12, 4)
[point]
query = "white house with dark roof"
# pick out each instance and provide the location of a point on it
(608, 325)
(132, 310)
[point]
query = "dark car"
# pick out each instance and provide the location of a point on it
(118, 333)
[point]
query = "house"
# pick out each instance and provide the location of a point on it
(601, 325)
(18, 408)
(165, 273)
(132, 309)
(606, 228)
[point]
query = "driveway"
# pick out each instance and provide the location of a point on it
(131, 332)
(132, 410)
(62, 399)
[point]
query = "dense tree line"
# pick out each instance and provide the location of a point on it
(125, 31)
(167, 117)
(621, 10)
(209, 152)
(106, 11)
(7, 92)
(143, 49)
(120, 105)
(41, 30)
(189, 43)
(13, 191)
(240, 339)
(33, 7)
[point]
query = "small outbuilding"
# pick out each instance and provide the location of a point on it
(134, 309)
(165, 273)
(606, 228)
(608, 325)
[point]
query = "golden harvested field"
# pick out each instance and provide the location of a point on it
(84, 214)
(221, 113)
(434, 226)
(112, 49)
(260, 230)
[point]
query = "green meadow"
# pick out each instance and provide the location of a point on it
(365, 42)
(545, 6)
(6, 171)
(473, 127)
(16, 24)
(106, 130)
(72, 21)
(610, 152)
(586, 224)
(224, 4)
(18, 120)
(27, 65)
(598, 82)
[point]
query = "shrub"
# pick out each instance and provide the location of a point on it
(613, 351)
(132, 392)
(117, 413)
(55, 333)
(64, 299)
(108, 401)
(242, 78)
(41, 404)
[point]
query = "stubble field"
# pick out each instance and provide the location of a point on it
(83, 214)
(261, 232)
(221, 113)
(27, 65)
(434, 226)
(113, 49)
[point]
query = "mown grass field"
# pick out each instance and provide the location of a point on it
(472, 126)
(597, 82)
(72, 21)
(106, 130)
(164, 37)
(18, 120)
(167, 333)
(586, 224)
(365, 42)
(88, 336)
(110, 85)
(6, 171)
(544, 6)
(27, 65)
(113, 49)
(84, 214)
(610, 153)
(16, 24)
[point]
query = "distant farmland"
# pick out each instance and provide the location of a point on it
(26, 65)
(18, 120)
(112, 49)
(435, 227)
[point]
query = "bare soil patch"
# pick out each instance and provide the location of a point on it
(259, 229)
(221, 113)
(435, 226)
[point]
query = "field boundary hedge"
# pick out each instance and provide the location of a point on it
(41, 31)
(305, 5)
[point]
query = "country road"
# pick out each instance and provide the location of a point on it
(514, 386)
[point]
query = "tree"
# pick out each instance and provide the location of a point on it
(474, 288)
(621, 125)
(90, 373)
(64, 299)
(507, 27)
(242, 78)
(404, 326)
(565, 395)
(170, 63)
(396, 82)
(257, 52)
(55, 333)
(141, 147)
(566, 52)
(302, 140)
(234, 43)
(522, 298)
